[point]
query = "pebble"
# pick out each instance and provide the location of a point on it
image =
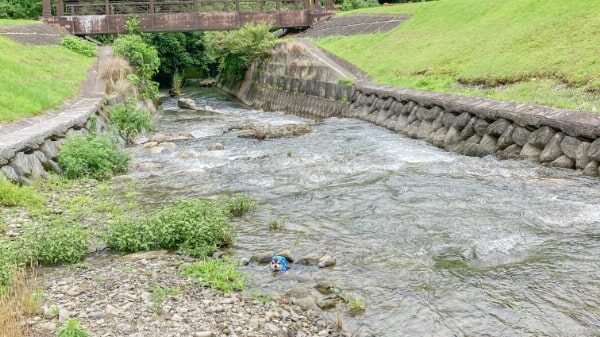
(326, 261)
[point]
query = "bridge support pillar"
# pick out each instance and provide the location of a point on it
(46, 8)
(60, 8)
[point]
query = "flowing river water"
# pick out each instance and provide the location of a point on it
(436, 244)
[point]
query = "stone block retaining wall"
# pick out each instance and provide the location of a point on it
(465, 125)
(31, 151)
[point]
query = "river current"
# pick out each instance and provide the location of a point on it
(436, 244)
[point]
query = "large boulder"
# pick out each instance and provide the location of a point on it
(505, 140)
(481, 126)
(498, 127)
(530, 152)
(186, 103)
(581, 155)
(563, 162)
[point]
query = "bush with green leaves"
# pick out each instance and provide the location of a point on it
(130, 119)
(130, 235)
(14, 195)
(92, 156)
(78, 45)
(10, 260)
(141, 56)
(72, 328)
(195, 227)
(236, 50)
(20, 9)
(348, 5)
(56, 243)
(218, 274)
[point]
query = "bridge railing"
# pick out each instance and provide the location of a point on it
(111, 7)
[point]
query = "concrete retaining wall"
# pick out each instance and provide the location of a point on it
(466, 125)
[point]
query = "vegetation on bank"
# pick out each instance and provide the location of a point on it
(522, 50)
(41, 78)
(236, 50)
(17, 22)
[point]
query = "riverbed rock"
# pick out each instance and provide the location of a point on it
(9, 173)
(263, 131)
(489, 143)
(552, 151)
(327, 261)
(469, 129)
(520, 136)
(216, 147)
(262, 258)
(187, 103)
(288, 255)
(327, 287)
(310, 259)
(541, 137)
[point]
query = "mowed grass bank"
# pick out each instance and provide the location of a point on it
(34, 79)
(542, 51)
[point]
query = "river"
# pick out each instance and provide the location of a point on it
(436, 244)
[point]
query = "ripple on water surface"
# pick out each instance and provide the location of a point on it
(437, 244)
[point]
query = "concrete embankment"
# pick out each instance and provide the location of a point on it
(299, 80)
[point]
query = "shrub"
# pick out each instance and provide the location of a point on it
(141, 56)
(240, 204)
(218, 274)
(236, 50)
(92, 156)
(13, 195)
(348, 5)
(130, 119)
(147, 88)
(20, 9)
(72, 328)
(78, 45)
(132, 26)
(195, 227)
(346, 81)
(129, 236)
(56, 243)
(9, 262)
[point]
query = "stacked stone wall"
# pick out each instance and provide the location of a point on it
(465, 125)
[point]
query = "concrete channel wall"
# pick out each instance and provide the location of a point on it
(294, 81)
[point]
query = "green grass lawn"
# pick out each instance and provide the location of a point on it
(13, 22)
(37, 78)
(542, 51)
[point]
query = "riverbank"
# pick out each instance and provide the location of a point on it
(43, 74)
(518, 50)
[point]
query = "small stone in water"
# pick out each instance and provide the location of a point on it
(326, 261)
(216, 147)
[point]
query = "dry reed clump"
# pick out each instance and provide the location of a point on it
(21, 301)
(115, 74)
(296, 48)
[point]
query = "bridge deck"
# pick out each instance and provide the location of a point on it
(89, 17)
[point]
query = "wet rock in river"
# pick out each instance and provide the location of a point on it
(265, 131)
(216, 147)
(262, 258)
(187, 103)
(288, 255)
(327, 261)
(310, 259)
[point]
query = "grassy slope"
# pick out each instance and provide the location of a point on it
(13, 22)
(37, 78)
(543, 51)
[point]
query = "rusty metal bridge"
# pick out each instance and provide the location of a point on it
(91, 17)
